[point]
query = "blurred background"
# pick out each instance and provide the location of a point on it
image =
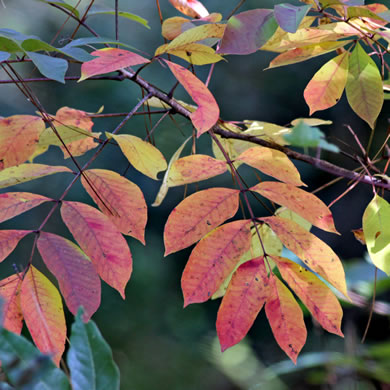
(156, 343)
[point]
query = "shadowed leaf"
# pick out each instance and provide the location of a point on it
(9, 239)
(11, 310)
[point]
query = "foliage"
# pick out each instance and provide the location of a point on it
(240, 260)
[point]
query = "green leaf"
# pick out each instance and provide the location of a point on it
(289, 16)
(123, 14)
(52, 68)
(357, 12)
(364, 86)
(90, 358)
(4, 56)
(376, 229)
(304, 135)
(25, 365)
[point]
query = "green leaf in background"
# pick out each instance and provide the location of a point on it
(304, 136)
(123, 14)
(376, 228)
(4, 56)
(90, 358)
(364, 86)
(289, 17)
(51, 67)
(26, 367)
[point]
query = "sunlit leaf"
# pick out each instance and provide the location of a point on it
(79, 283)
(15, 203)
(120, 199)
(172, 27)
(364, 86)
(207, 114)
(26, 172)
(12, 316)
(101, 240)
(289, 16)
(19, 135)
(142, 155)
(192, 8)
(273, 163)
(197, 215)
(316, 295)
(304, 203)
(8, 241)
(311, 250)
(244, 298)
(286, 319)
(109, 60)
(43, 313)
(284, 212)
(213, 259)
(376, 229)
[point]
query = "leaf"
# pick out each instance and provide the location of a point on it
(142, 155)
(124, 203)
(4, 55)
(172, 27)
(51, 67)
(207, 114)
(212, 260)
(9, 239)
(26, 172)
(162, 192)
(101, 240)
(283, 212)
(364, 86)
(197, 215)
(286, 319)
(19, 135)
(15, 203)
(109, 60)
(191, 8)
(90, 358)
(311, 121)
(377, 232)
(311, 250)
(289, 17)
(43, 313)
(301, 202)
(244, 298)
(327, 85)
(78, 280)
(361, 12)
(194, 168)
(248, 31)
(123, 14)
(316, 295)
(12, 317)
(273, 163)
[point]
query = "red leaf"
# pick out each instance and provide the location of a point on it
(12, 312)
(213, 259)
(109, 60)
(15, 203)
(244, 298)
(8, 241)
(76, 275)
(101, 240)
(207, 114)
(192, 8)
(43, 313)
(286, 319)
(197, 215)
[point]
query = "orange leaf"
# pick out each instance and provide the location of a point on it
(19, 135)
(124, 202)
(12, 312)
(301, 202)
(197, 215)
(172, 27)
(273, 163)
(15, 203)
(311, 250)
(8, 241)
(192, 8)
(109, 60)
(286, 319)
(316, 295)
(101, 240)
(43, 313)
(76, 275)
(196, 167)
(213, 259)
(207, 114)
(244, 298)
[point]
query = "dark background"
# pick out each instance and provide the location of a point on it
(156, 343)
